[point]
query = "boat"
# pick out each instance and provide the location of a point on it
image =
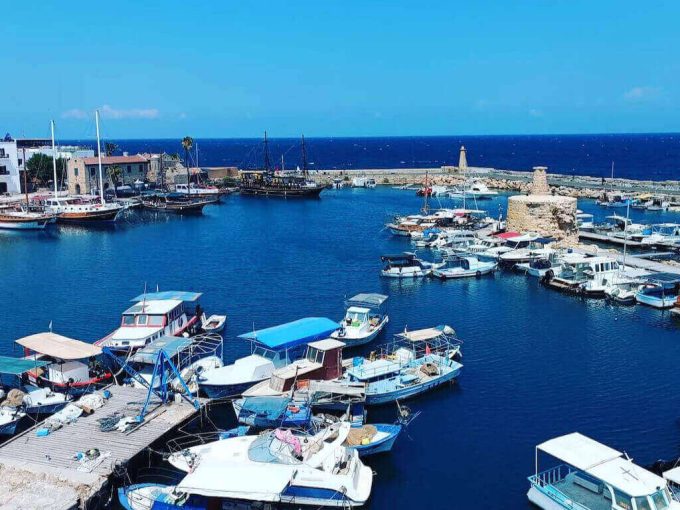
(272, 411)
(585, 221)
(406, 265)
(363, 182)
(76, 209)
(270, 183)
(154, 314)
(615, 200)
(622, 292)
(18, 219)
(663, 235)
(213, 324)
(593, 476)
(35, 401)
(274, 467)
(10, 417)
(322, 362)
(175, 205)
(475, 189)
(194, 190)
(72, 365)
(511, 241)
(462, 267)
(659, 290)
(536, 249)
(540, 267)
(364, 319)
(271, 349)
(191, 357)
(589, 276)
(418, 361)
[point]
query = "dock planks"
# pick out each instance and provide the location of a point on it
(53, 456)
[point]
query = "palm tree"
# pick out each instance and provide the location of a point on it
(187, 143)
(110, 148)
(115, 173)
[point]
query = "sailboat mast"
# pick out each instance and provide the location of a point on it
(23, 151)
(99, 155)
(54, 162)
(304, 157)
(625, 235)
(267, 163)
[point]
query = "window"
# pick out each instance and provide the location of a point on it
(623, 500)
(2, 153)
(660, 500)
(20, 161)
(141, 168)
(75, 172)
(129, 168)
(128, 320)
(142, 319)
(155, 320)
(3, 170)
(91, 171)
(641, 503)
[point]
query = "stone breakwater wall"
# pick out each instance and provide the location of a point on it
(504, 180)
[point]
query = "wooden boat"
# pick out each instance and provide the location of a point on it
(164, 204)
(24, 220)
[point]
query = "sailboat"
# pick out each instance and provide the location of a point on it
(266, 182)
(18, 218)
(76, 210)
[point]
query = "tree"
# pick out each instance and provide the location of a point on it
(187, 143)
(115, 173)
(110, 148)
(39, 167)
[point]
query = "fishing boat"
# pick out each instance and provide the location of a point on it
(584, 221)
(589, 276)
(659, 290)
(10, 417)
(212, 193)
(175, 205)
(364, 319)
(322, 362)
(418, 361)
(35, 401)
(593, 476)
(271, 349)
(540, 267)
(154, 314)
(213, 324)
(406, 265)
(622, 292)
(274, 467)
(464, 267)
(663, 235)
(77, 210)
(270, 183)
(72, 366)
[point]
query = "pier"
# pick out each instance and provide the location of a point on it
(44, 471)
(601, 238)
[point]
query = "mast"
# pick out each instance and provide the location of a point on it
(267, 163)
(426, 207)
(23, 150)
(625, 235)
(305, 172)
(99, 157)
(54, 162)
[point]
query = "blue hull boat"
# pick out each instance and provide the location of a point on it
(9, 420)
(41, 410)
(220, 391)
(384, 440)
(272, 412)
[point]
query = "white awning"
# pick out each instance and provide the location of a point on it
(579, 451)
(628, 477)
(673, 475)
(216, 478)
(58, 346)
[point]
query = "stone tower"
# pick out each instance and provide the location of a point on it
(542, 213)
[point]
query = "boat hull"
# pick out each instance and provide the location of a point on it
(9, 428)
(451, 275)
(356, 341)
(9, 223)
(410, 391)
(282, 192)
(657, 302)
(39, 410)
(542, 500)
(382, 446)
(108, 215)
(215, 391)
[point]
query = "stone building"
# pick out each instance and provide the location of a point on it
(83, 173)
(543, 213)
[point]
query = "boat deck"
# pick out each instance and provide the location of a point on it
(35, 469)
(587, 498)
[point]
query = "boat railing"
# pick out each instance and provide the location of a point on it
(545, 481)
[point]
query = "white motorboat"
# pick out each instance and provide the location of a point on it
(659, 290)
(154, 314)
(512, 241)
(464, 266)
(592, 476)
(406, 265)
(276, 466)
(272, 348)
(213, 324)
(539, 267)
(364, 319)
(584, 221)
(590, 276)
(535, 250)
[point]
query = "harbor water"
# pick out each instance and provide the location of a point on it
(537, 363)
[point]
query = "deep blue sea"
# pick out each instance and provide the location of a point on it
(537, 363)
(636, 156)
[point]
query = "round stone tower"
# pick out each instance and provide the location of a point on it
(543, 213)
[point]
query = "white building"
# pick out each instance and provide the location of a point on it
(15, 153)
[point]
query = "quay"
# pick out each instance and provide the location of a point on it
(631, 260)
(43, 472)
(601, 238)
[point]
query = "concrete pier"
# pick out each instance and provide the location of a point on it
(43, 472)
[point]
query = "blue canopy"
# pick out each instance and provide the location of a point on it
(17, 366)
(179, 295)
(171, 345)
(294, 333)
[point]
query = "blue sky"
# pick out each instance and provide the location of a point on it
(340, 68)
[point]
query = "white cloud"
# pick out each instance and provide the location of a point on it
(74, 113)
(133, 113)
(535, 113)
(641, 93)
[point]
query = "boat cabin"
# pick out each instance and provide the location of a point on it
(592, 476)
(660, 290)
(591, 268)
(406, 259)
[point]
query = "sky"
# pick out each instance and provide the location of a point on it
(340, 68)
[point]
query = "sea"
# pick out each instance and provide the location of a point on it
(635, 156)
(537, 363)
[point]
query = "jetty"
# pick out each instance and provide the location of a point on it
(639, 261)
(602, 238)
(54, 471)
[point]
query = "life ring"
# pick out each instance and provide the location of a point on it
(478, 274)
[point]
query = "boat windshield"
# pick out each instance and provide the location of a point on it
(128, 320)
(314, 355)
(355, 318)
(279, 450)
(155, 320)
(264, 353)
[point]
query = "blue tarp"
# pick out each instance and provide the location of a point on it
(179, 295)
(17, 366)
(171, 345)
(293, 333)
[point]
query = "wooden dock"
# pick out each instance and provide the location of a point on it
(638, 262)
(43, 472)
(601, 238)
